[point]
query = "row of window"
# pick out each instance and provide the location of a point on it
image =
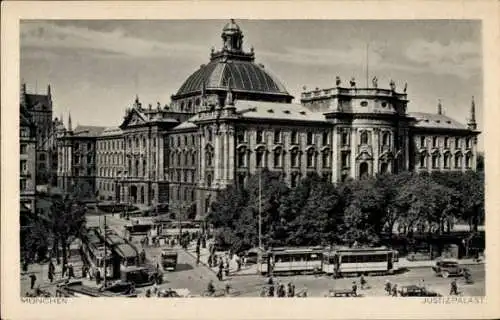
(261, 159)
(183, 140)
(139, 142)
(446, 142)
(183, 159)
(311, 137)
(110, 145)
(188, 106)
(435, 161)
(104, 159)
(183, 175)
(106, 186)
(184, 194)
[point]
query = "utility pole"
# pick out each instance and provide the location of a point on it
(260, 209)
(105, 252)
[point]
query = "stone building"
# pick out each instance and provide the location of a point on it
(39, 108)
(232, 117)
(27, 161)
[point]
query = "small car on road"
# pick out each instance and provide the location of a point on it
(416, 291)
(446, 268)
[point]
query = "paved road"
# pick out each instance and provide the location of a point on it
(195, 278)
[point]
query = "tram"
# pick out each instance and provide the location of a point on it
(291, 260)
(342, 261)
(169, 259)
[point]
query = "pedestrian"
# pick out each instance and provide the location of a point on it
(395, 290)
(354, 288)
(238, 263)
(219, 275)
(64, 269)
(71, 272)
(271, 291)
(422, 284)
(98, 277)
(282, 292)
(362, 281)
(388, 287)
(84, 271)
(454, 287)
(32, 280)
(25, 265)
(51, 276)
(228, 287)
(270, 281)
(52, 268)
(148, 293)
(197, 258)
(289, 289)
(263, 291)
(293, 290)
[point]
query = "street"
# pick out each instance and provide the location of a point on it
(195, 278)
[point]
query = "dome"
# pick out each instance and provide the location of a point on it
(244, 76)
(231, 26)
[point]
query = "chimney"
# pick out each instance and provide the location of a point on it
(440, 107)
(69, 122)
(472, 125)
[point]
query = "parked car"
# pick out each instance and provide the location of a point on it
(416, 291)
(446, 268)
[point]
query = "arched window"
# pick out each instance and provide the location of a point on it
(435, 161)
(242, 159)
(468, 161)
(277, 159)
(311, 159)
(259, 159)
(208, 159)
(326, 159)
(142, 194)
(363, 170)
(136, 169)
(386, 139)
(294, 158)
(209, 134)
(209, 179)
(384, 167)
(446, 160)
(423, 160)
(364, 137)
(467, 143)
(193, 159)
(179, 161)
(294, 180)
(144, 167)
(458, 161)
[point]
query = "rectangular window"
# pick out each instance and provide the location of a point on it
(345, 138)
(310, 160)
(422, 142)
(294, 137)
(23, 148)
(345, 160)
(467, 143)
(22, 184)
(325, 138)
(294, 181)
(446, 142)
(423, 161)
(24, 166)
(294, 157)
(277, 136)
(310, 138)
(260, 136)
(434, 142)
(240, 137)
(457, 143)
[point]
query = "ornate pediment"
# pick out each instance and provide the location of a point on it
(364, 156)
(133, 118)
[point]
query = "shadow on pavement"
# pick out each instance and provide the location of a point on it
(183, 267)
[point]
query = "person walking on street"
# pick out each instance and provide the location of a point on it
(388, 287)
(395, 290)
(64, 269)
(271, 291)
(32, 280)
(354, 288)
(263, 291)
(51, 276)
(454, 288)
(71, 272)
(362, 281)
(98, 277)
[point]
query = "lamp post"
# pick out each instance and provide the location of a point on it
(260, 209)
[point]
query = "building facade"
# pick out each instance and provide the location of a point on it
(27, 161)
(232, 117)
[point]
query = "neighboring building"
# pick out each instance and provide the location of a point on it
(27, 146)
(77, 160)
(232, 117)
(39, 107)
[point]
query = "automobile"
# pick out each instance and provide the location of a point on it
(446, 268)
(416, 291)
(175, 293)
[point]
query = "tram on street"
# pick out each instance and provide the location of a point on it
(342, 261)
(138, 228)
(291, 260)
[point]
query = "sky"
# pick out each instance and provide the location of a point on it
(96, 67)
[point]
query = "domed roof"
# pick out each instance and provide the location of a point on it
(242, 75)
(231, 26)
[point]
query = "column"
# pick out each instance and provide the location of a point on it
(354, 133)
(201, 157)
(407, 149)
(334, 154)
(231, 153)
(376, 150)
